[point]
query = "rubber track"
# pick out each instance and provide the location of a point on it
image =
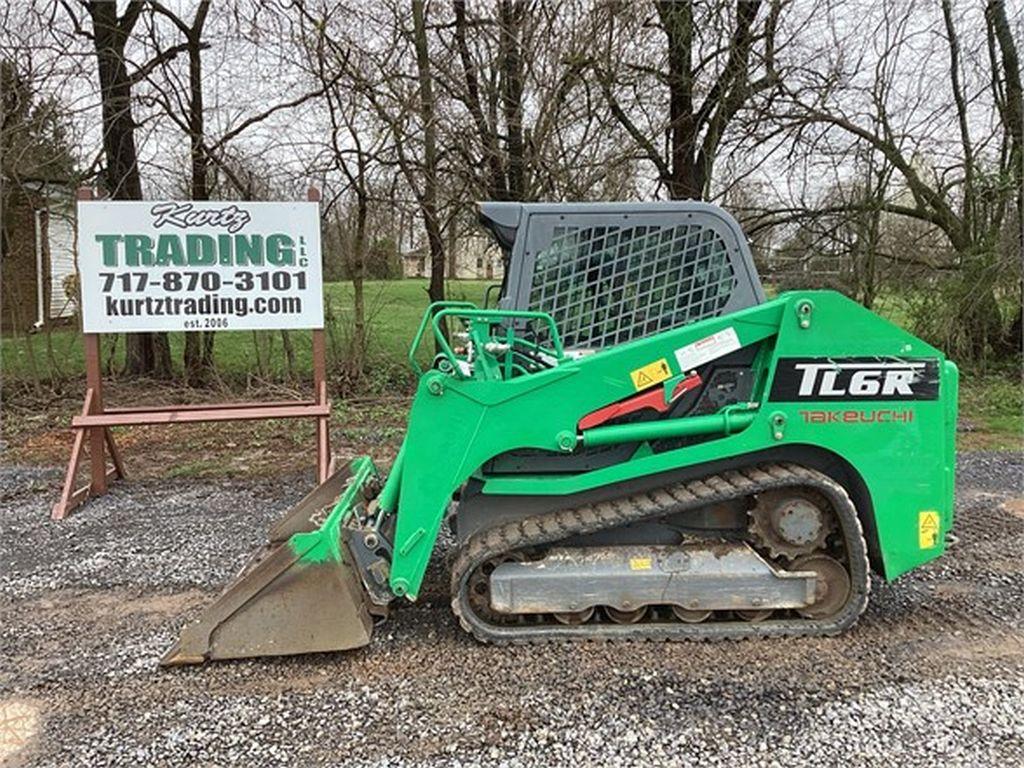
(588, 518)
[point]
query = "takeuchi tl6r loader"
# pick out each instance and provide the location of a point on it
(633, 442)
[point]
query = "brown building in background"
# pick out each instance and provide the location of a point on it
(37, 255)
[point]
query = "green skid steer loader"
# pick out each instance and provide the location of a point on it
(638, 444)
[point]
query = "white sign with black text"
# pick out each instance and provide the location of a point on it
(198, 266)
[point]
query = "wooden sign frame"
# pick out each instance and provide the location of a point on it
(92, 425)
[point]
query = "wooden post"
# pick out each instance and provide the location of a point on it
(100, 438)
(94, 384)
(324, 462)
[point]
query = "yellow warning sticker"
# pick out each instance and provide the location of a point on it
(927, 529)
(640, 564)
(651, 374)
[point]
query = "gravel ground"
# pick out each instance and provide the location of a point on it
(932, 674)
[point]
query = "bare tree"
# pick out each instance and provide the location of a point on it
(145, 353)
(714, 61)
(519, 112)
(352, 147)
(484, 115)
(963, 188)
(180, 97)
(198, 352)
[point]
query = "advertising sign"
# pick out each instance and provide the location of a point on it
(199, 266)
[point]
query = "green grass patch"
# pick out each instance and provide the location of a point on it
(393, 312)
(991, 412)
(991, 405)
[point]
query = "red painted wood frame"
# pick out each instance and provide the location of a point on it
(92, 425)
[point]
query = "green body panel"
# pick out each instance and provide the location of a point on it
(457, 423)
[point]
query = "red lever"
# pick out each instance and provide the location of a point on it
(653, 398)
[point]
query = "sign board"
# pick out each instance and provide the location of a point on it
(198, 266)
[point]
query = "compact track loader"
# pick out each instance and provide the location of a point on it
(638, 445)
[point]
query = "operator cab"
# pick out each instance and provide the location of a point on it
(609, 273)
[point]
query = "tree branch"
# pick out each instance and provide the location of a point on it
(161, 58)
(649, 150)
(272, 110)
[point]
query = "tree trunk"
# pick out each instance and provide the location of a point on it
(145, 353)
(691, 154)
(452, 254)
(1013, 124)
(687, 180)
(358, 270)
(428, 203)
(511, 21)
(123, 179)
(198, 355)
(289, 354)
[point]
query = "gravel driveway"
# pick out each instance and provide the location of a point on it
(932, 675)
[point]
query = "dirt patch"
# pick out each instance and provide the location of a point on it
(1007, 648)
(1014, 507)
(953, 589)
(117, 604)
(36, 431)
(20, 720)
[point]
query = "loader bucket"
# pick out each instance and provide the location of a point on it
(300, 593)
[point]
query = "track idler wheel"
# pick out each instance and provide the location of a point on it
(626, 617)
(831, 589)
(690, 615)
(754, 615)
(480, 588)
(575, 618)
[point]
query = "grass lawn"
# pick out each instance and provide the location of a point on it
(991, 412)
(393, 309)
(991, 406)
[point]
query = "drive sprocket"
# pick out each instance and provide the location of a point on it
(790, 523)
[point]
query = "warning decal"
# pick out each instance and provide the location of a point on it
(650, 374)
(707, 349)
(927, 529)
(640, 563)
